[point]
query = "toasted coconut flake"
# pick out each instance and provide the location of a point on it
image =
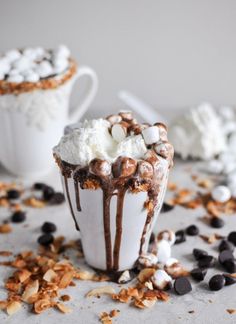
(13, 307)
(145, 303)
(114, 312)
(23, 275)
(84, 275)
(63, 308)
(5, 253)
(145, 274)
(211, 238)
(30, 290)
(66, 279)
(50, 275)
(101, 290)
(34, 202)
(3, 304)
(5, 228)
(105, 318)
(231, 311)
(41, 305)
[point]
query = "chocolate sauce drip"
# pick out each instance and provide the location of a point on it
(119, 217)
(69, 201)
(77, 196)
(106, 223)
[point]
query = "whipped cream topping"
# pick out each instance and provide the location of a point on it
(92, 139)
(199, 133)
(33, 64)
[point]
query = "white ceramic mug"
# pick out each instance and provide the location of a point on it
(31, 123)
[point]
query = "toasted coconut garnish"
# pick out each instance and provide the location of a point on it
(211, 238)
(231, 310)
(41, 305)
(109, 290)
(148, 204)
(50, 275)
(5, 228)
(34, 202)
(30, 290)
(145, 303)
(65, 298)
(63, 308)
(105, 318)
(5, 253)
(23, 275)
(13, 307)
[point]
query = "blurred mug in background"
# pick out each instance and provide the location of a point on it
(35, 88)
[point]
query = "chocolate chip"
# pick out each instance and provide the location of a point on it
(192, 230)
(232, 238)
(229, 266)
(229, 280)
(39, 186)
(48, 227)
(48, 193)
(57, 198)
(198, 274)
(207, 261)
(225, 256)
(199, 254)
(180, 237)
(166, 208)
(13, 194)
(18, 216)
(217, 282)
(226, 245)
(217, 222)
(45, 239)
(182, 286)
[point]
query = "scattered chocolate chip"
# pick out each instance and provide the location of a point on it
(180, 237)
(45, 239)
(13, 194)
(207, 261)
(217, 222)
(18, 216)
(232, 238)
(48, 193)
(229, 266)
(217, 282)
(226, 245)
(57, 198)
(199, 254)
(225, 256)
(39, 186)
(198, 274)
(48, 227)
(192, 230)
(166, 208)
(182, 286)
(229, 280)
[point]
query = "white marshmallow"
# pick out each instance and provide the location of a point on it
(13, 55)
(62, 51)
(151, 135)
(125, 277)
(161, 149)
(221, 194)
(170, 262)
(44, 69)
(17, 78)
(32, 77)
(214, 166)
(22, 64)
(118, 132)
(60, 65)
(4, 66)
(163, 251)
(161, 280)
(167, 235)
(148, 259)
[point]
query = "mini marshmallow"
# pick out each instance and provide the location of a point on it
(17, 78)
(13, 55)
(161, 280)
(148, 259)
(145, 169)
(151, 135)
(125, 277)
(100, 167)
(4, 66)
(163, 251)
(126, 115)
(124, 167)
(114, 119)
(119, 132)
(32, 77)
(167, 235)
(221, 194)
(22, 64)
(60, 65)
(44, 69)
(62, 51)
(170, 262)
(162, 131)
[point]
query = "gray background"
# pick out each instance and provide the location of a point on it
(171, 53)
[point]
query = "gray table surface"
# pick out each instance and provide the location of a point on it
(88, 310)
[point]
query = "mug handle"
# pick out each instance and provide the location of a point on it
(76, 113)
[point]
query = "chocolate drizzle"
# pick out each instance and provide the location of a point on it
(116, 184)
(69, 201)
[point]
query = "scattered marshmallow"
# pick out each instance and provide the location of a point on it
(174, 268)
(148, 259)
(167, 235)
(151, 135)
(119, 132)
(18, 78)
(161, 280)
(163, 251)
(125, 277)
(221, 194)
